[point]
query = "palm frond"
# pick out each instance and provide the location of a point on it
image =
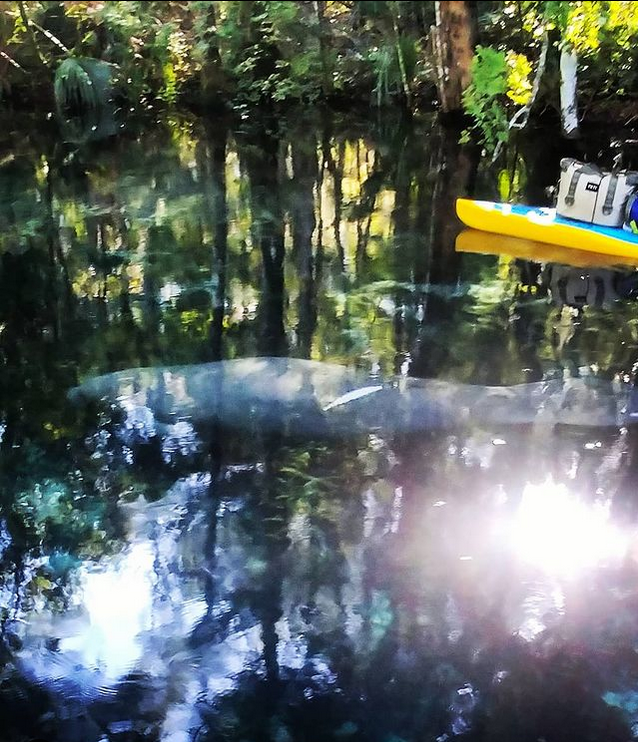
(73, 86)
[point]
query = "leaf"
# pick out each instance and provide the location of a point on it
(518, 78)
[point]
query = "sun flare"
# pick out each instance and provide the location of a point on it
(557, 532)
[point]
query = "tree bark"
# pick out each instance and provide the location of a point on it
(453, 39)
(568, 100)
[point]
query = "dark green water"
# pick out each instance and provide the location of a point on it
(197, 582)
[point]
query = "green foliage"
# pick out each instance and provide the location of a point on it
(483, 99)
(498, 79)
(271, 54)
(248, 54)
(385, 65)
(603, 34)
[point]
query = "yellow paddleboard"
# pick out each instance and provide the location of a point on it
(544, 225)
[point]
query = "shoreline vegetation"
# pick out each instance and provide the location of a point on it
(487, 67)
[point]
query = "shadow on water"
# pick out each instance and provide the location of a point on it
(179, 578)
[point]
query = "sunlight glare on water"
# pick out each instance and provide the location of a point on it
(119, 602)
(560, 534)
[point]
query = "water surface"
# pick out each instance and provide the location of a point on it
(192, 581)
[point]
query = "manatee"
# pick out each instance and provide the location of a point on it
(314, 398)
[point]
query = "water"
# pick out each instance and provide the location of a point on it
(189, 579)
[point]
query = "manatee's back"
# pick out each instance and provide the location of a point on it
(271, 392)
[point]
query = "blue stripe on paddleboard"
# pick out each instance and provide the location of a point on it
(615, 233)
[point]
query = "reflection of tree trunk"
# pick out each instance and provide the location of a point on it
(304, 164)
(150, 288)
(457, 166)
(421, 255)
(261, 157)
(401, 217)
(52, 291)
(421, 265)
(403, 241)
(360, 250)
(13, 319)
(273, 525)
(319, 249)
(378, 168)
(211, 591)
(55, 246)
(453, 38)
(336, 172)
(412, 474)
(219, 215)
(528, 330)
(103, 248)
(211, 163)
(52, 238)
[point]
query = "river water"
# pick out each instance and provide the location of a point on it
(188, 580)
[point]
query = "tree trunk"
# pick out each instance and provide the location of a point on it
(568, 101)
(213, 81)
(453, 40)
(326, 75)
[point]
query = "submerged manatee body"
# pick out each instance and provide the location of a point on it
(321, 399)
(302, 397)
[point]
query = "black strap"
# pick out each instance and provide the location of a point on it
(571, 192)
(608, 206)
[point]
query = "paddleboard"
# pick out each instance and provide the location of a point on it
(544, 225)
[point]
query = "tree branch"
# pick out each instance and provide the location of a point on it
(27, 25)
